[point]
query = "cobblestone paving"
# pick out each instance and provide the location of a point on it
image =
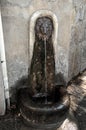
(77, 91)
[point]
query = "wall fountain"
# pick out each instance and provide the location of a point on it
(43, 104)
(69, 55)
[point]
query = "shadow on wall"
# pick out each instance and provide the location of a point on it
(20, 84)
(60, 80)
(24, 83)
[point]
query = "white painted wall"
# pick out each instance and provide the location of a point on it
(4, 89)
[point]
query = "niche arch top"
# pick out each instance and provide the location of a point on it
(34, 17)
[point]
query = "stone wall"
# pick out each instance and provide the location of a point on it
(71, 50)
(77, 48)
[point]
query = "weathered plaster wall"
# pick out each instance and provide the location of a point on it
(77, 48)
(71, 15)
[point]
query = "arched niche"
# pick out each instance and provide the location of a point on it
(34, 17)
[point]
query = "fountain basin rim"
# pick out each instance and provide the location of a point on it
(56, 107)
(37, 126)
(54, 114)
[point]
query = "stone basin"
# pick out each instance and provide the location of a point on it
(42, 115)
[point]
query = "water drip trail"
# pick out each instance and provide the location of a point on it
(45, 70)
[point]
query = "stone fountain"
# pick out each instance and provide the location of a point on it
(43, 104)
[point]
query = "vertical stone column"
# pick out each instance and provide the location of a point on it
(2, 96)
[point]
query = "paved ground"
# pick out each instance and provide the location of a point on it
(77, 91)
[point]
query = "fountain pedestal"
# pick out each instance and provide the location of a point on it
(39, 115)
